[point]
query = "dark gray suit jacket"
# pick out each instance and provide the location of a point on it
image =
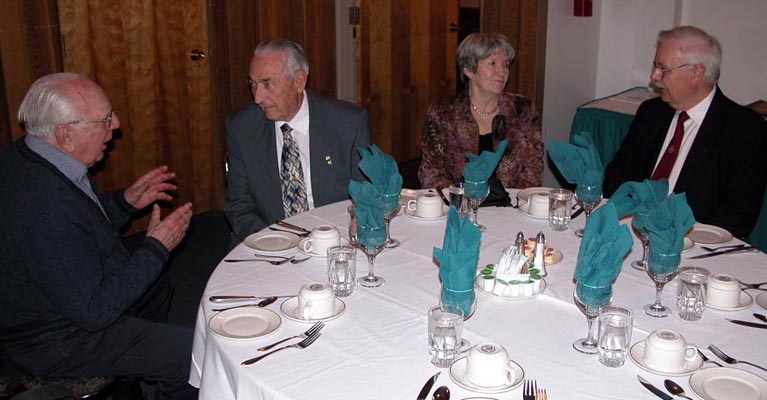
(253, 193)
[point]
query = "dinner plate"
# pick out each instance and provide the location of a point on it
(728, 383)
(524, 194)
(762, 300)
(523, 207)
(411, 213)
(637, 354)
(745, 302)
(272, 242)
(540, 290)
(709, 234)
(344, 242)
(458, 375)
(244, 323)
(289, 306)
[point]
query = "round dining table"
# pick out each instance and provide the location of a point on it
(377, 348)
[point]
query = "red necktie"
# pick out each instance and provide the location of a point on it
(663, 170)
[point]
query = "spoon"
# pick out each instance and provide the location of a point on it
(442, 393)
(675, 389)
(263, 303)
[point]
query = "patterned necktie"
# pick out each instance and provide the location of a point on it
(293, 187)
(663, 170)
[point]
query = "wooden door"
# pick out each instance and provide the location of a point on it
(139, 52)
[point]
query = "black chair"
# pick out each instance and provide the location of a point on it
(16, 383)
(409, 171)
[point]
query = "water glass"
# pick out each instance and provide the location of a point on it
(342, 270)
(615, 326)
(560, 203)
(691, 292)
(445, 329)
(457, 199)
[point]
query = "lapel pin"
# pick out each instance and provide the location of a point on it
(328, 160)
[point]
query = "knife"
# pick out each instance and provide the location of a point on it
(719, 253)
(577, 213)
(442, 195)
(746, 323)
(427, 387)
(291, 226)
(263, 303)
(760, 317)
(653, 389)
(227, 299)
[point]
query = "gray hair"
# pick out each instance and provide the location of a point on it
(697, 48)
(47, 104)
(478, 46)
(293, 51)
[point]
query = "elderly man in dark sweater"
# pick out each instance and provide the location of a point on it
(74, 301)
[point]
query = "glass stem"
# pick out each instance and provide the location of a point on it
(658, 290)
(645, 250)
(388, 235)
(371, 259)
(589, 341)
(474, 210)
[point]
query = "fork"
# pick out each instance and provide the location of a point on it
(300, 345)
(732, 246)
(273, 262)
(296, 261)
(706, 359)
(540, 394)
(751, 285)
(730, 360)
(314, 328)
(528, 391)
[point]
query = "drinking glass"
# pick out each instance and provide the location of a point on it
(662, 268)
(560, 202)
(637, 223)
(476, 192)
(457, 199)
(371, 240)
(590, 300)
(391, 209)
(588, 197)
(691, 292)
(445, 329)
(615, 325)
(342, 270)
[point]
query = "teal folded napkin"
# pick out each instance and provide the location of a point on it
(381, 169)
(639, 197)
(666, 226)
(579, 163)
(604, 245)
(458, 261)
(480, 167)
(368, 212)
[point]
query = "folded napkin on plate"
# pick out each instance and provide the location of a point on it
(381, 169)
(604, 245)
(578, 163)
(666, 226)
(458, 261)
(368, 212)
(639, 197)
(480, 167)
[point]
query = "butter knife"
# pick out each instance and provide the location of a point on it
(760, 317)
(719, 253)
(442, 195)
(427, 387)
(654, 389)
(291, 226)
(229, 299)
(747, 323)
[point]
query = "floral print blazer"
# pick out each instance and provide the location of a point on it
(450, 132)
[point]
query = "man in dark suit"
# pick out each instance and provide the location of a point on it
(290, 150)
(705, 144)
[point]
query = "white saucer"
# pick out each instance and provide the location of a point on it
(637, 354)
(728, 383)
(458, 372)
(411, 213)
(523, 206)
(745, 302)
(288, 309)
(525, 194)
(272, 242)
(688, 244)
(540, 290)
(762, 300)
(300, 247)
(709, 234)
(244, 323)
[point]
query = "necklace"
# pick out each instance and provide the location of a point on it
(482, 113)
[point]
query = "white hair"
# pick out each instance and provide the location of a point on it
(698, 48)
(47, 104)
(294, 53)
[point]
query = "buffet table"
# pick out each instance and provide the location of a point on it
(377, 349)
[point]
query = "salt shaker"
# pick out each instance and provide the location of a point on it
(520, 242)
(540, 244)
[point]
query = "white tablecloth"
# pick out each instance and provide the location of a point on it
(378, 348)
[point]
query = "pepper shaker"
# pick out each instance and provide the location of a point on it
(540, 244)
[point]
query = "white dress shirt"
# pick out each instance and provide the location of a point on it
(300, 125)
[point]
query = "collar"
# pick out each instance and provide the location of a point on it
(698, 112)
(71, 168)
(300, 121)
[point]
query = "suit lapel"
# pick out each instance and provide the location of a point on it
(265, 159)
(320, 151)
(704, 140)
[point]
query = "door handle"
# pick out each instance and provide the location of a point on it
(197, 55)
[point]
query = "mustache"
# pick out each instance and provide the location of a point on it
(655, 86)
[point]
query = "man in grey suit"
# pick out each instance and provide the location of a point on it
(290, 150)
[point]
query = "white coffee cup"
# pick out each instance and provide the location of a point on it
(667, 351)
(538, 205)
(316, 300)
(487, 365)
(321, 239)
(428, 205)
(723, 291)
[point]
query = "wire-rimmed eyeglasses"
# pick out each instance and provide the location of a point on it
(107, 120)
(665, 70)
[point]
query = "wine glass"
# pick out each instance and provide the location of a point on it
(476, 192)
(371, 240)
(637, 223)
(662, 268)
(590, 300)
(588, 196)
(391, 209)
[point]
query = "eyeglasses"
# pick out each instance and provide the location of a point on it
(665, 70)
(107, 120)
